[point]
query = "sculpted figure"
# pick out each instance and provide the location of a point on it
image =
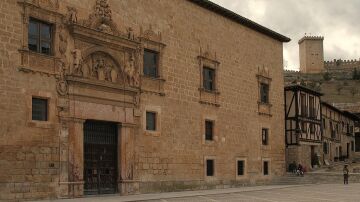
(77, 62)
(99, 68)
(72, 15)
(63, 40)
(130, 33)
(130, 71)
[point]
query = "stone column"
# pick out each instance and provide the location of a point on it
(76, 157)
(127, 159)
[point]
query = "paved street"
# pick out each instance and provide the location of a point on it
(303, 193)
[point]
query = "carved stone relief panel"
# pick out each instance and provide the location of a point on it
(104, 67)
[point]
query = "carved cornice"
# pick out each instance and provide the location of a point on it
(96, 37)
(50, 6)
(96, 83)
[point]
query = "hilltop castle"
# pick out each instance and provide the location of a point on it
(336, 79)
(311, 55)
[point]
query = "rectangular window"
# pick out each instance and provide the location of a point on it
(240, 168)
(265, 136)
(210, 167)
(264, 93)
(39, 36)
(266, 167)
(303, 105)
(209, 129)
(303, 127)
(151, 60)
(312, 128)
(324, 123)
(312, 106)
(151, 121)
(39, 109)
(208, 78)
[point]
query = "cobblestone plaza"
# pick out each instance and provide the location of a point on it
(294, 193)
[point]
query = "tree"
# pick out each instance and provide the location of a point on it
(327, 76)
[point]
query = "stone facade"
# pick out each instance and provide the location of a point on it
(95, 72)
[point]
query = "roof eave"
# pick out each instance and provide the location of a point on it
(240, 19)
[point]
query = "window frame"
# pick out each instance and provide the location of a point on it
(267, 173)
(312, 111)
(303, 105)
(46, 109)
(157, 111)
(243, 167)
(267, 93)
(312, 128)
(157, 71)
(212, 161)
(39, 39)
(155, 120)
(266, 135)
(212, 129)
(212, 79)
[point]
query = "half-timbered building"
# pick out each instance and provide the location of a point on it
(303, 133)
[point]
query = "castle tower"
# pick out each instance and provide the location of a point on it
(311, 54)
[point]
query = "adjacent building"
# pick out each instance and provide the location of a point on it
(338, 133)
(316, 132)
(109, 96)
(303, 131)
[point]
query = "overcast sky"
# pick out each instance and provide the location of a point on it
(336, 20)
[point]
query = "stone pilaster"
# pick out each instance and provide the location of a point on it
(76, 157)
(126, 140)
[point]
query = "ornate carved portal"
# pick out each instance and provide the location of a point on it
(103, 83)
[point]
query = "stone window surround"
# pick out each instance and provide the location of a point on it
(211, 64)
(264, 108)
(264, 80)
(240, 177)
(43, 15)
(157, 47)
(210, 178)
(215, 131)
(267, 136)
(50, 123)
(39, 37)
(157, 110)
(269, 167)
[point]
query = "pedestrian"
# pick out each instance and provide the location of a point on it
(346, 174)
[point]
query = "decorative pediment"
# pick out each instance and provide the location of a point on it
(47, 4)
(208, 56)
(150, 35)
(263, 71)
(100, 19)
